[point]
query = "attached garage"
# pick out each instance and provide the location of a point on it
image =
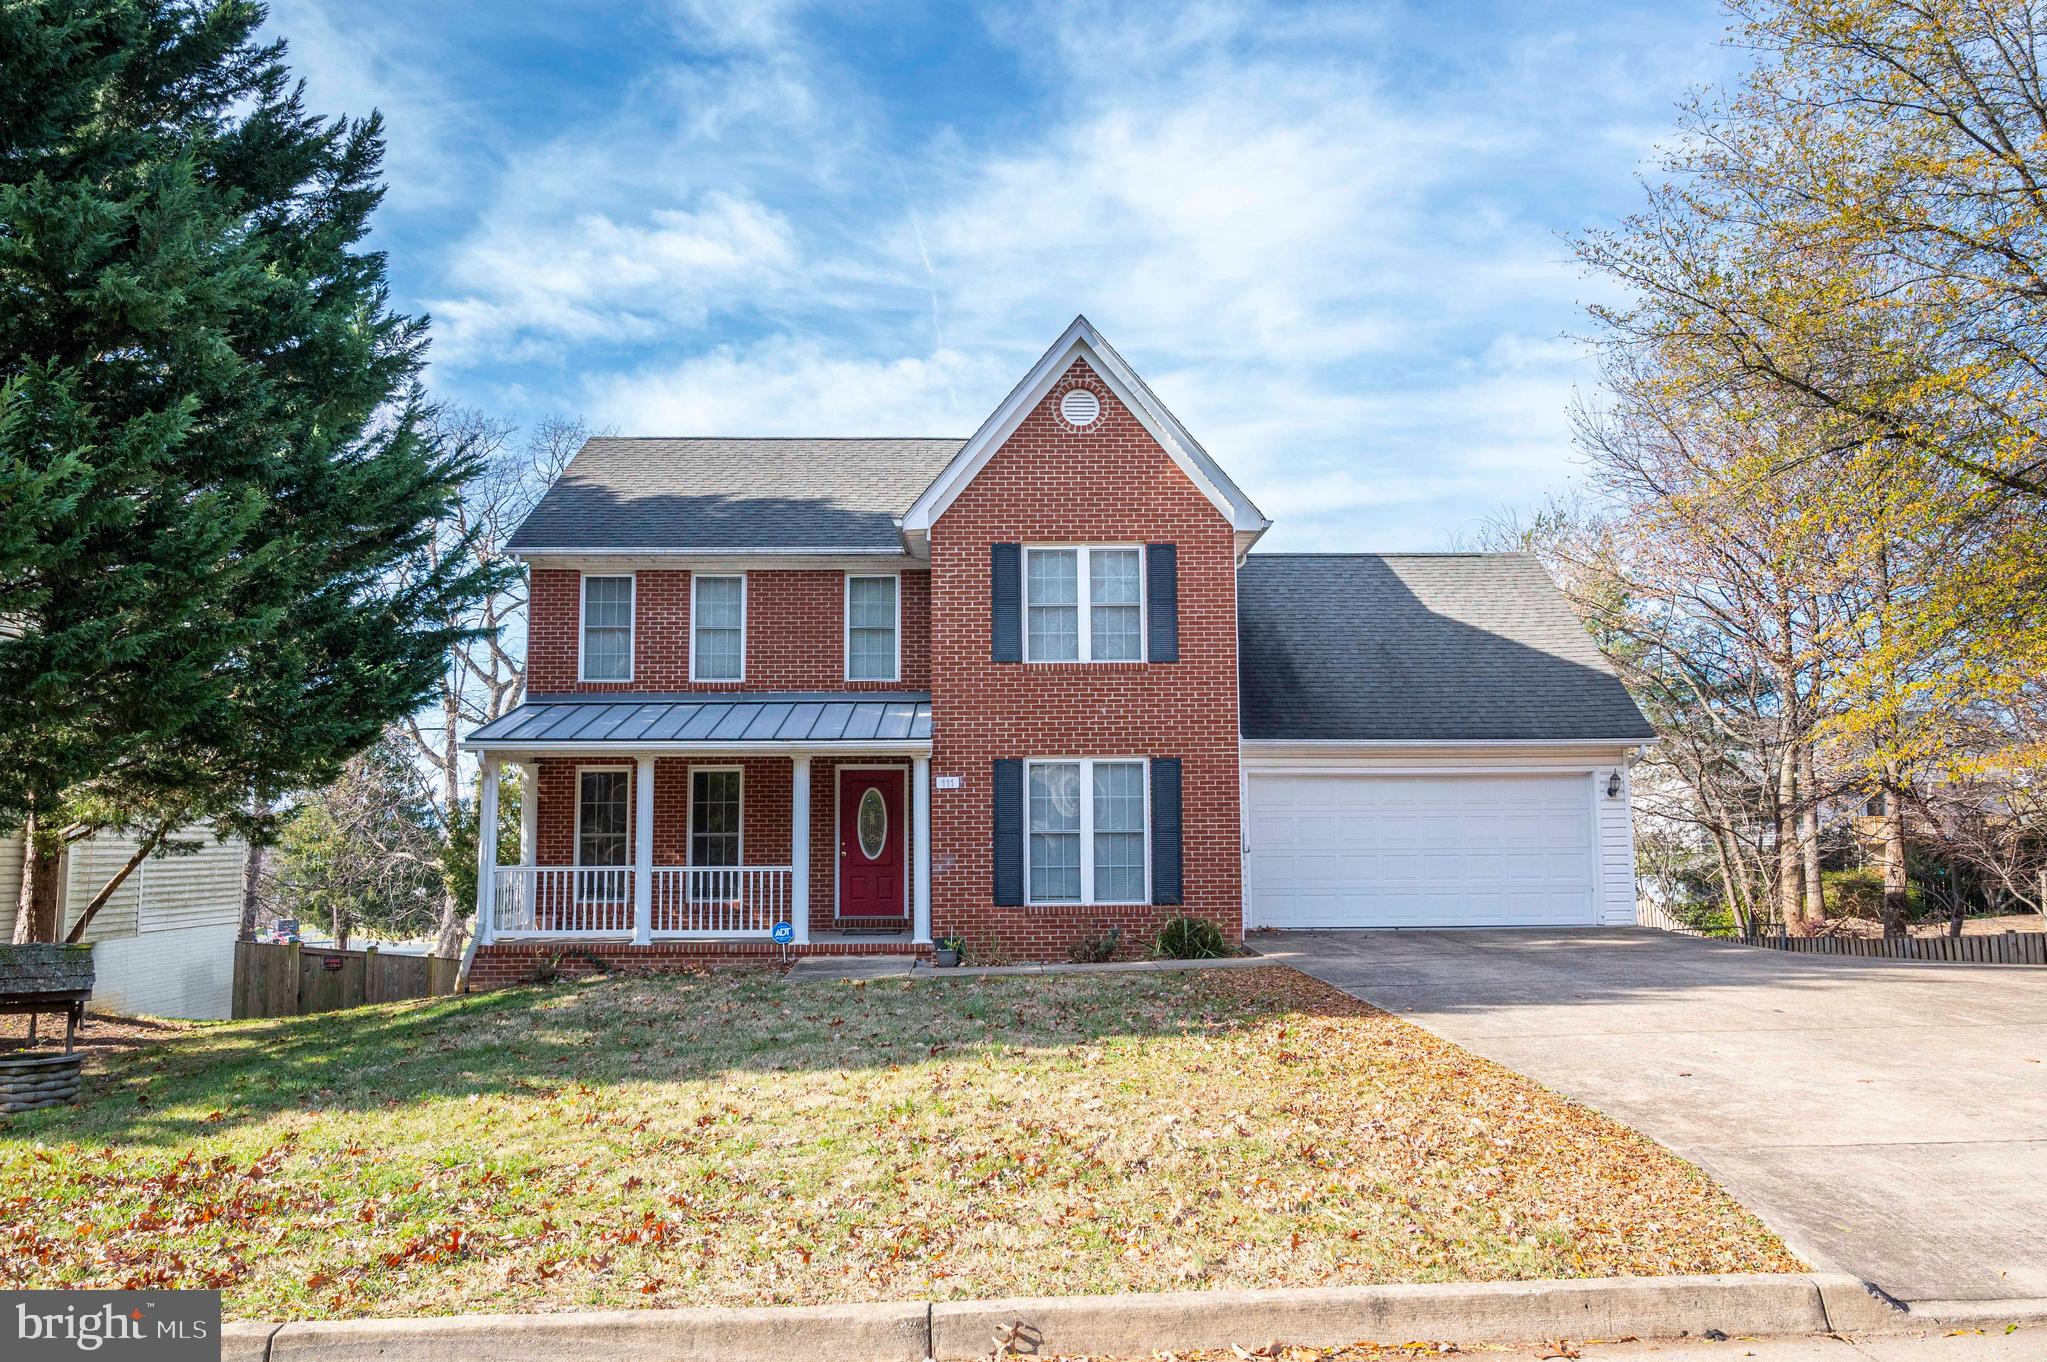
(1429, 740)
(1368, 850)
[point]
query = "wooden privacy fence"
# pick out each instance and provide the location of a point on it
(290, 980)
(2004, 948)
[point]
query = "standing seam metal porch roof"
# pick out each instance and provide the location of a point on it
(617, 719)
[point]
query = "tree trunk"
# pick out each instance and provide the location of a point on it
(1897, 900)
(339, 921)
(1790, 866)
(39, 908)
(1737, 903)
(1809, 840)
(106, 891)
(252, 881)
(448, 932)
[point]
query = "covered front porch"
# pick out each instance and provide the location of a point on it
(710, 821)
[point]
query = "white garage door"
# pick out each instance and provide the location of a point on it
(1421, 851)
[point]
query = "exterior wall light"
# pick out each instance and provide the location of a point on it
(1613, 786)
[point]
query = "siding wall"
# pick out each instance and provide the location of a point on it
(164, 943)
(180, 972)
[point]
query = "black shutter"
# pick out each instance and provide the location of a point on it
(1005, 602)
(1009, 831)
(1165, 830)
(1162, 603)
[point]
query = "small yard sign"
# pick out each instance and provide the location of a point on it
(784, 933)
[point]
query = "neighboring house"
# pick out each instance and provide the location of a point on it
(164, 944)
(886, 690)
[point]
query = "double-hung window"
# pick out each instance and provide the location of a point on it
(873, 619)
(1085, 830)
(1084, 604)
(714, 814)
(607, 629)
(601, 849)
(717, 628)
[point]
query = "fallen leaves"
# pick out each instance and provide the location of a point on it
(1079, 1134)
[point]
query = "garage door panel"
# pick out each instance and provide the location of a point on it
(1420, 851)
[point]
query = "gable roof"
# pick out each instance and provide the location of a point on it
(814, 495)
(1080, 340)
(1372, 647)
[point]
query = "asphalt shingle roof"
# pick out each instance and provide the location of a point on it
(734, 494)
(1371, 646)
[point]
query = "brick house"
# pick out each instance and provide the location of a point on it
(865, 693)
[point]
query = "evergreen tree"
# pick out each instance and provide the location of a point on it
(213, 452)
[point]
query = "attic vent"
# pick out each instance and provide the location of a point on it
(1080, 408)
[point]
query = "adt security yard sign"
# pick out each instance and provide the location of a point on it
(784, 933)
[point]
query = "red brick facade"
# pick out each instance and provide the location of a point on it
(795, 633)
(1111, 483)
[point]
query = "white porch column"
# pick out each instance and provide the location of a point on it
(643, 853)
(529, 813)
(920, 875)
(799, 847)
(487, 850)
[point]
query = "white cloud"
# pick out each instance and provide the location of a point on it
(593, 279)
(1331, 238)
(790, 387)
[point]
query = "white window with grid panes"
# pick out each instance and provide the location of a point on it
(607, 648)
(601, 796)
(873, 628)
(1085, 829)
(717, 615)
(1084, 603)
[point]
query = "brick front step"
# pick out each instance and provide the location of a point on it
(500, 964)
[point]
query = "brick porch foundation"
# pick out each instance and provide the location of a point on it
(502, 964)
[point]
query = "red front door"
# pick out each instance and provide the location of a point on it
(871, 844)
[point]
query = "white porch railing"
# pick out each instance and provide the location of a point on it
(562, 900)
(737, 900)
(685, 901)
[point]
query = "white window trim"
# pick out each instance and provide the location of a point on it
(1087, 897)
(632, 626)
(846, 616)
(689, 814)
(577, 851)
(1082, 604)
(694, 578)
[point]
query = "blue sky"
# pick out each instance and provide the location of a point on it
(1329, 236)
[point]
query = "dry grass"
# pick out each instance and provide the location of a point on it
(738, 1140)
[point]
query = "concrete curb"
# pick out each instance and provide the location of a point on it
(1483, 1312)
(2017, 1310)
(845, 1333)
(1134, 1325)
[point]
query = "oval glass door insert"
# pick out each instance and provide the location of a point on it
(873, 823)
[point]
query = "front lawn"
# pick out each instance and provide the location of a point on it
(737, 1140)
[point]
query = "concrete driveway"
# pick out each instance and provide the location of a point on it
(1887, 1119)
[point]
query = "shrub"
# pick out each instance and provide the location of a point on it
(1096, 949)
(1189, 938)
(1713, 919)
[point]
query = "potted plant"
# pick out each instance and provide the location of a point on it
(948, 952)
